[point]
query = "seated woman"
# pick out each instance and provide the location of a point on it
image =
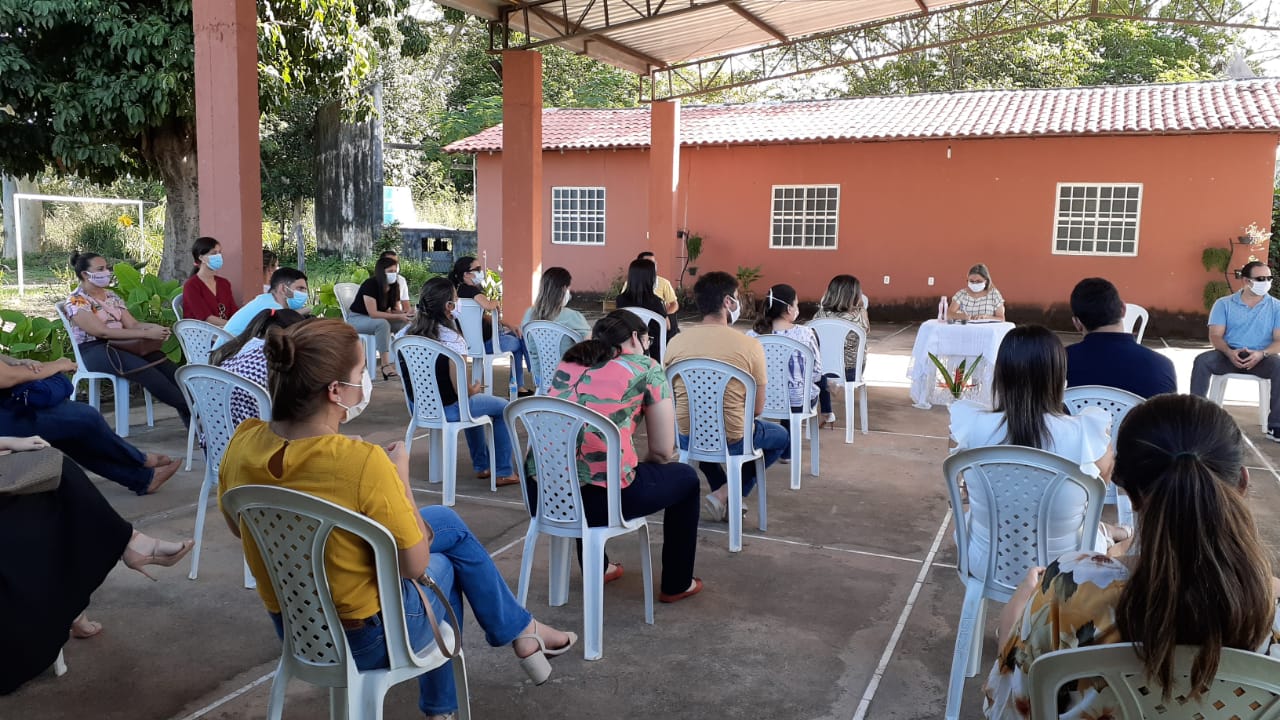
(1030, 377)
(376, 310)
(1180, 458)
(435, 321)
(978, 300)
(778, 317)
(642, 275)
(318, 381)
(98, 315)
(552, 303)
(245, 357)
(205, 296)
(611, 374)
(70, 538)
(842, 301)
(78, 430)
(468, 278)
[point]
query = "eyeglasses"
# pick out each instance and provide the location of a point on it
(475, 269)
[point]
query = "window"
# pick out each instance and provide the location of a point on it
(805, 216)
(577, 215)
(1097, 219)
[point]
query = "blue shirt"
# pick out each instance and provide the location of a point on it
(249, 311)
(1115, 359)
(1247, 327)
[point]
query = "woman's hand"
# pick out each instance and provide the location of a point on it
(23, 444)
(151, 331)
(475, 388)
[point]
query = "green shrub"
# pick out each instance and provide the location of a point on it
(1213, 290)
(32, 338)
(150, 300)
(104, 237)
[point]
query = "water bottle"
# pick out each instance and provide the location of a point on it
(942, 309)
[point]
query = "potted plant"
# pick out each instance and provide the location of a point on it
(692, 250)
(1216, 259)
(747, 276)
(960, 381)
(609, 303)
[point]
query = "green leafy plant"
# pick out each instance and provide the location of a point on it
(1216, 259)
(150, 300)
(958, 381)
(1213, 290)
(389, 239)
(32, 338)
(327, 302)
(747, 276)
(493, 285)
(692, 251)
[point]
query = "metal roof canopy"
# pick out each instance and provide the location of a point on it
(682, 48)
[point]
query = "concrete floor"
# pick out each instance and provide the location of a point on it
(845, 608)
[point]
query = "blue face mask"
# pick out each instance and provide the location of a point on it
(298, 300)
(213, 261)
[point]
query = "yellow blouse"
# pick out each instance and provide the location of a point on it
(354, 474)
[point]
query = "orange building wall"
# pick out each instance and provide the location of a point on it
(910, 212)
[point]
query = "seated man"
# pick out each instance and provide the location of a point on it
(287, 289)
(1244, 329)
(716, 294)
(1108, 355)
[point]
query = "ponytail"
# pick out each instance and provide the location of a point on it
(607, 337)
(780, 298)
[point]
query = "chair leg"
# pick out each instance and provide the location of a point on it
(960, 657)
(280, 683)
(762, 496)
(796, 439)
(593, 596)
(250, 582)
(815, 444)
(60, 665)
(979, 635)
(201, 506)
(493, 458)
(526, 562)
(734, 471)
(461, 686)
(850, 391)
(435, 441)
(1217, 388)
(865, 424)
(338, 698)
(1264, 402)
(450, 463)
(94, 398)
(151, 411)
(559, 563)
(191, 439)
(121, 387)
(646, 567)
(408, 438)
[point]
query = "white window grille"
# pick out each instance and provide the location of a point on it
(805, 216)
(577, 215)
(1097, 219)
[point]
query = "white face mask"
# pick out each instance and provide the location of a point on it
(478, 277)
(366, 392)
(1260, 287)
(567, 297)
(736, 311)
(392, 277)
(977, 287)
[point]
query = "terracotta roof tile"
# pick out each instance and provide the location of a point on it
(1215, 106)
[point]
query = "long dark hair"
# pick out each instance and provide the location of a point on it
(772, 307)
(433, 308)
(257, 328)
(1202, 576)
(1030, 377)
(461, 267)
(389, 292)
(201, 247)
(641, 275)
(607, 337)
(551, 294)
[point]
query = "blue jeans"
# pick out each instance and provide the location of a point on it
(460, 565)
(824, 395)
(766, 436)
(508, 342)
(493, 407)
(79, 431)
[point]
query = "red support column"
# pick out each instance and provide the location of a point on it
(664, 178)
(226, 36)
(521, 180)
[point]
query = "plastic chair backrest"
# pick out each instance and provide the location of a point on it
(471, 322)
(649, 316)
(1133, 314)
(705, 382)
(61, 306)
(1115, 401)
(198, 338)
(345, 292)
(291, 530)
(1246, 686)
(555, 427)
(177, 306)
(547, 342)
(779, 353)
(419, 356)
(832, 333)
(1020, 486)
(209, 389)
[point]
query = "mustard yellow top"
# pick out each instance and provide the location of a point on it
(354, 474)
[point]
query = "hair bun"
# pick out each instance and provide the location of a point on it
(280, 351)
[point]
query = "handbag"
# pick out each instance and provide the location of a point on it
(39, 394)
(142, 347)
(30, 472)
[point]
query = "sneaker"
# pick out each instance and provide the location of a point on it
(714, 510)
(787, 461)
(1273, 435)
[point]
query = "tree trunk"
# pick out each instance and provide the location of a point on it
(32, 218)
(171, 152)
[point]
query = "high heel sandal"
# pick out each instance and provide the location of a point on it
(536, 666)
(388, 374)
(138, 561)
(828, 421)
(82, 628)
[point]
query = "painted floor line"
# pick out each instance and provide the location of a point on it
(1271, 468)
(874, 685)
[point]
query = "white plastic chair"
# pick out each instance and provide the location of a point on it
(1133, 315)
(177, 306)
(1218, 389)
(779, 353)
(119, 385)
(546, 342)
(705, 382)
(1020, 486)
(831, 334)
(208, 391)
(1117, 403)
(554, 426)
(291, 530)
(471, 321)
(198, 339)
(346, 294)
(649, 316)
(426, 410)
(1245, 687)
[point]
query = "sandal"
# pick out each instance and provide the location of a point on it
(693, 590)
(83, 628)
(388, 374)
(135, 559)
(162, 475)
(536, 666)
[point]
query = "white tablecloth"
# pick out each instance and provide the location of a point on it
(951, 344)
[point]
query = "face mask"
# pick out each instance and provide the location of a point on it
(391, 278)
(213, 261)
(567, 297)
(1260, 287)
(736, 311)
(366, 389)
(101, 279)
(478, 277)
(977, 287)
(298, 300)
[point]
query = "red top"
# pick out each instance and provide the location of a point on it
(198, 303)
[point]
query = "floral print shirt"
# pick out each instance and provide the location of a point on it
(1074, 607)
(110, 311)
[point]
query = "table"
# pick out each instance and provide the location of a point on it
(953, 343)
